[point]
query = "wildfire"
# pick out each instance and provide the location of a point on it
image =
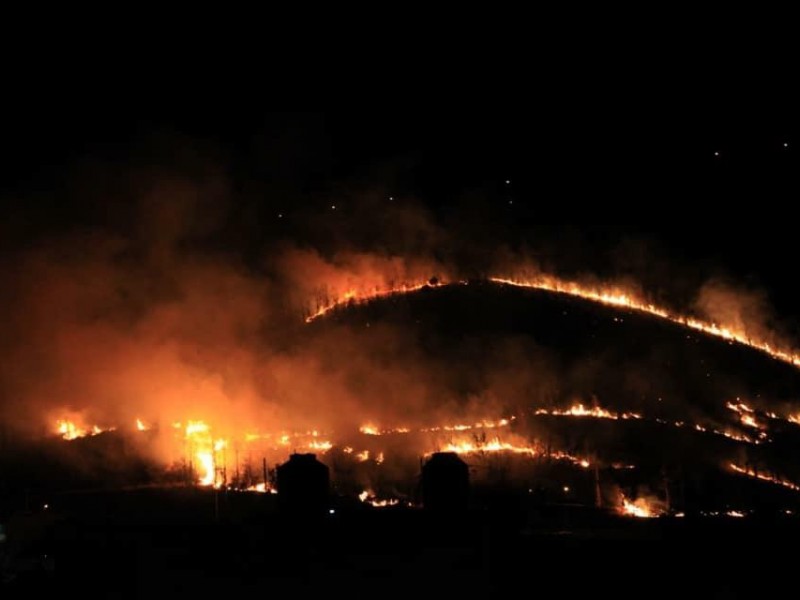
(485, 424)
(206, 461)
(739, 407)
(746, 414)
(579, 410)
(198, 434)
(70, 430)
(262, 488)
(495, 446)
(140, 426)
(466, 427)
(764, 477)
(617, 297)
(640, 508)
(368, 497)
(322, 446)
(609, 295)
(731, 435)
(354, 296)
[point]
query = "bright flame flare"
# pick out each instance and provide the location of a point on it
(640, 508)
(70, 430)
(579, 410)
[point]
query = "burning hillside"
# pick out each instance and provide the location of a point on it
(505, 399)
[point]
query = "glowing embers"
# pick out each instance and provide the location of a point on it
(641, 508)
(749, 472)
(74, 428)
(595, 412)
(366, 295)
(369, 497)
(141, 425)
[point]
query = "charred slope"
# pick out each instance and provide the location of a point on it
(705, 404)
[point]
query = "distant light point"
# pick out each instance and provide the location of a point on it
(785, 144)
(508, 182)
(391, 198)
(716, 153)
(333, 207)
(280, 215)
(511, 202)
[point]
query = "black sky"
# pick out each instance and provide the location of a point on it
(702, 188)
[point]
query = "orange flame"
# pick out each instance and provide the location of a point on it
(262, 488)
(640, 508)
(371, 429)
(368, 497)
(613, 296)
(579, 410)
(70, 430)
(764, 477)
(609, 295)
(364, 296)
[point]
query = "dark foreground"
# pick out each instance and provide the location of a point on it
(187, 543)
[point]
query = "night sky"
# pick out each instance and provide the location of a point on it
(604, 190)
